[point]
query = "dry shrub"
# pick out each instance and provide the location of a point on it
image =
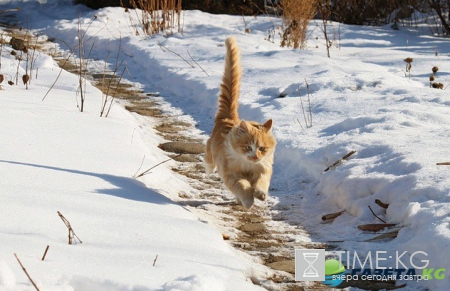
(158, 15)
(296, 16)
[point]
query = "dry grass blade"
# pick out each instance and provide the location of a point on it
(147, 171)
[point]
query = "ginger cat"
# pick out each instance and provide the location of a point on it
(241, 151)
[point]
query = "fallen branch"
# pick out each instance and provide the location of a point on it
(340, 160)
(375, 227)
(375, 214)
(146, 172)
(25, 270)
(332, 215)
(381, 204)
(45, 253)
(72, 234)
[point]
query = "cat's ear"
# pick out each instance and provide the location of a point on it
(268, 125)
(244, 127)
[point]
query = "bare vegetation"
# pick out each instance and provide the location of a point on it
(156, 16)
(296, 16)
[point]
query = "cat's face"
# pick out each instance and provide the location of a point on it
(254, 141)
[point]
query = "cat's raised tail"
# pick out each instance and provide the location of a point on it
(231, 83)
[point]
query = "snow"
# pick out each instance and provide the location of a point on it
(55, 158)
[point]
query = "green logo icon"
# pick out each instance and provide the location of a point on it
(333, 267)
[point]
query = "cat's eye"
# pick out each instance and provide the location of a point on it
(262, 149)
(248, 148)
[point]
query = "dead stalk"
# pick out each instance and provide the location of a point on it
(165, 48)
(197, 64)
(375, 214)
(72, 235)
(25, 270)
(306, 117)
(340, 160)
(147, 171)
(45, 253)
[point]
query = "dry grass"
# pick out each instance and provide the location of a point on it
(296, 16)
(158, 15)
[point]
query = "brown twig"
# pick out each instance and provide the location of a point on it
(72, 234)
(443, 164)
(25, 270)
(340, 160)
(375, 226)
(154, 261)
(332, 215)
(45, 253)
(57, 77)
(115, 92)
(163, 47)
(381, 204)
(375, 214)
(392, 234)
(146, 172)
(197, 63)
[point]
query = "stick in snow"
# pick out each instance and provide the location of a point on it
(72, 234)
(381, 204)
(332, 215)
(25, 270)
(339, 161)
(375, 226)
(45, 253)
(375, 214)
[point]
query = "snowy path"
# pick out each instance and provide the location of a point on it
(362, 100)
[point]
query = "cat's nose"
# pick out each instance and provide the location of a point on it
(254, 158)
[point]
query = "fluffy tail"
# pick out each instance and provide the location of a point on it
(231, 83)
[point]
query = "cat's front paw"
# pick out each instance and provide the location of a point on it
(247, 202)
(259, 194)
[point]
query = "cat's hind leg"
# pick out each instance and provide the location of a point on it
(210, 167)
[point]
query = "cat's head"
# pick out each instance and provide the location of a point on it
(254, 141)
